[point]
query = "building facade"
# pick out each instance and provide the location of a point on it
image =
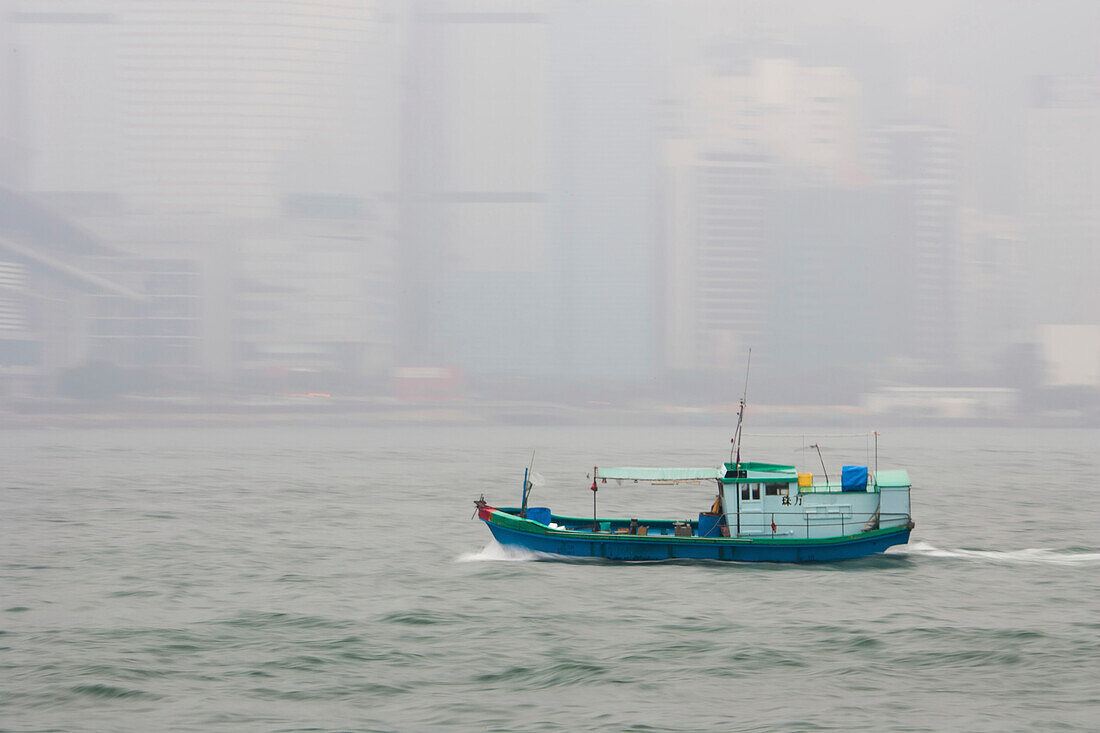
(916, 166)
(217, 151)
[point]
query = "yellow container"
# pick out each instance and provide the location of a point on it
(805, 480)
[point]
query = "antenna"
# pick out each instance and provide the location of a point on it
(740, 417)
(815, 445)
(527, 484)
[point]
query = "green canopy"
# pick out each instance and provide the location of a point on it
(660, 475)
(893, 479)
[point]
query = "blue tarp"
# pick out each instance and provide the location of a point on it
(853, 478)
(710, 525)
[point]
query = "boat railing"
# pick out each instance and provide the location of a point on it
(820, 520)
(834, 488)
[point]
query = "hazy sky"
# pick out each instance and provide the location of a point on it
(505, 174)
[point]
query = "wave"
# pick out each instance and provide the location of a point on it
(496, 552)
(1025, 556)
(110, 691)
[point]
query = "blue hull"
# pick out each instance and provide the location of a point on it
(620, 547)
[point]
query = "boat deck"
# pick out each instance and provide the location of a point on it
(574, 537)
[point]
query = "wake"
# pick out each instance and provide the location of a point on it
(1026, 556)
(496, 552)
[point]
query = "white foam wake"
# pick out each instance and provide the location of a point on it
(496, 552)
(1028, 555)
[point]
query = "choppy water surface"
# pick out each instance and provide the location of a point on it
(276, 579)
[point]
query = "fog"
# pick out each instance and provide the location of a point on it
(550, 211)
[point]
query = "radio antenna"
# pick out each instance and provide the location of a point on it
(823, 469)
(740, 417)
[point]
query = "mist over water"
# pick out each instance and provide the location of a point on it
(329, 579)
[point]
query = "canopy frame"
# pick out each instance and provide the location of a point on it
(665, 476)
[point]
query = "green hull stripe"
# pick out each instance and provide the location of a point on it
(503, 519)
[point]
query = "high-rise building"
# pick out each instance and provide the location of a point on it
(832, 301)
(61, 110)
(989, 278)
(474, 265)
(603, 168)
(12, 134)
(1062, 200)
(717, 283)
(222, 106)
(246, 147)
(752, 131)
(917, 165)
(804, 117)
(528, 189)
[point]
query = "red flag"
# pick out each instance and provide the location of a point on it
(773, 524)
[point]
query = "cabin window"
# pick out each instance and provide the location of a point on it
(775, 489)
(756, 491)
(744, 492)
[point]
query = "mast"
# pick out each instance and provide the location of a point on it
(876, 456)
(741, 411)
(595, 525)
(737, 442)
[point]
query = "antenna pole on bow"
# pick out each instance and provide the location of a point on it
(527, 485)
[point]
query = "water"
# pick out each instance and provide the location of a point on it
(276, 579)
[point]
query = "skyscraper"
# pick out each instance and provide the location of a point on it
(917, 165)
(771, 125)
(472, 196)
(603, 216)
(1062, 199)
(528, 189)
(241, 145)
(61, 98)
(222, 105)
(989, 281)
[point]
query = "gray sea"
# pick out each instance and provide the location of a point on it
(315, 579)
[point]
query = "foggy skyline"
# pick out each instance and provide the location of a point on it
(536, 197)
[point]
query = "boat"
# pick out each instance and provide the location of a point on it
(776, 515)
